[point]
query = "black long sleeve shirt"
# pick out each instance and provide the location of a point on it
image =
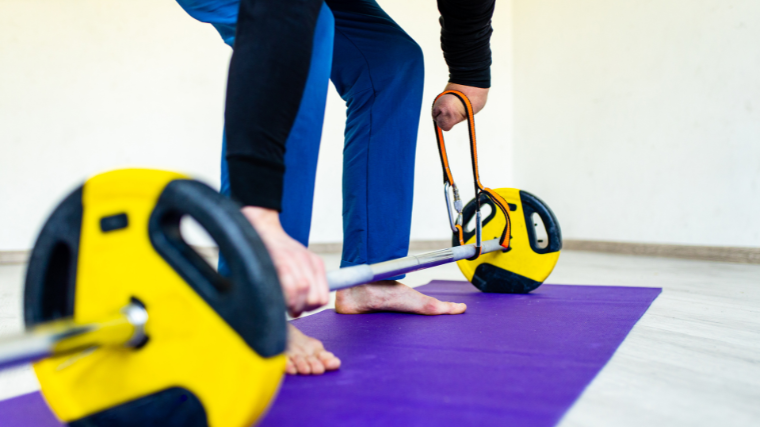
(269, 69)
(466, 40)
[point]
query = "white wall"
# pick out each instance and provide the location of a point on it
(635, 121)
(640, 120)
(90, 85)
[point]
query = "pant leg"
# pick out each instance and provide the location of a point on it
(302, 145)
(378, 70)
(222, 14)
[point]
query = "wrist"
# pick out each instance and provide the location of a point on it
(264, 220)
(478, 96)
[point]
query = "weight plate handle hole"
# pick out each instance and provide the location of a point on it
(541, 236)
(199, 240)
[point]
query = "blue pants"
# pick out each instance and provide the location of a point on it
(378, 71)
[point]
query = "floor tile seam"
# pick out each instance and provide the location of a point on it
(705, 363)
(714, 300)
(663, 368)
(691, 332)
(730, 323)
(704, 310)
(694, 348)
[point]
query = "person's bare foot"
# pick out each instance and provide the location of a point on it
(390, 295)
(307, 355)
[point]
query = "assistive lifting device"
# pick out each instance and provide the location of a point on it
(503, 253)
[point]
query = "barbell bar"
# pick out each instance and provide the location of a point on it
(127, 328)
(356, 275)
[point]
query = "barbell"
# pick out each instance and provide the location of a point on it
(127, 326)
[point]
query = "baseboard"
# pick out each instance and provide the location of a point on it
(703, 253)
(210, 253)
(326, 248)
(13, 257)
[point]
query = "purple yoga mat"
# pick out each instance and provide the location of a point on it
(511, 360)
(28, 410)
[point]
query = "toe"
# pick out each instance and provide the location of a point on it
(302, 366)
(290, 368)
(432, 307)
(329, 361)
(316, 365)
(457, 308)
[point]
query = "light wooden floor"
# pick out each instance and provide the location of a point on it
(692, 360)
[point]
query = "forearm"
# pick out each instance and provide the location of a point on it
(267, 76)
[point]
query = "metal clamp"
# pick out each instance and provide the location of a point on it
(457, 205)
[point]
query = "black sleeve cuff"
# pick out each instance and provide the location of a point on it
(475, 76)
(254, 182)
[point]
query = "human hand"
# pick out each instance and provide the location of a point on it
(448, 110)
(302, 273)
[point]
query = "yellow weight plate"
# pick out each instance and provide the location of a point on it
(197, 351)
(528, 262)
